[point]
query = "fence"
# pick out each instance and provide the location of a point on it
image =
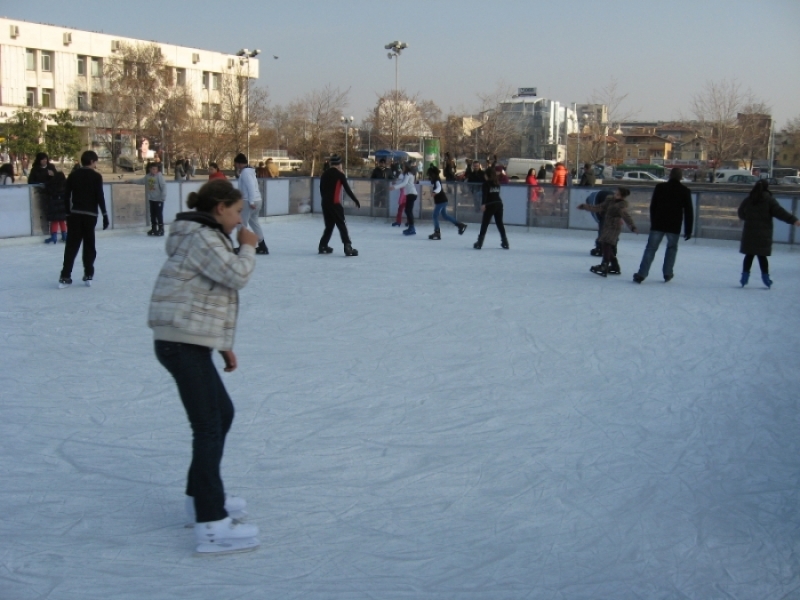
(21, 212)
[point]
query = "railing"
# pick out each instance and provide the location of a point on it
(21, 212)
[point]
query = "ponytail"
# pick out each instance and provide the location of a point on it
(212, 193)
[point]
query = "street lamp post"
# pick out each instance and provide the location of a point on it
(396, 48)
(346, 122)
(244, 57)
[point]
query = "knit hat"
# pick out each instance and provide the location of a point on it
(335, 160)
(240, 159)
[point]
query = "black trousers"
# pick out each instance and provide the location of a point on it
(81, 231)
(156, 213)
(210, 413)
(333, 214)
(763, 263)
(410, 199)
(495, 209)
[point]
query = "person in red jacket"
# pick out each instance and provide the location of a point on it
(214, 172)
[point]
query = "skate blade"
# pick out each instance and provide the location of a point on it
(235, 546)
(87, 283)
(61, 286)
(237, 515)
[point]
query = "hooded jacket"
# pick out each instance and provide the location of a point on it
(614, 212)
(757, 213)
(196, 298)
(155, 187)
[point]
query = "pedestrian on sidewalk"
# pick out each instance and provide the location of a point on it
(193, 311)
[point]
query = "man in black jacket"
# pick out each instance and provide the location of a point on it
(381, 189)
(670, 207)
(83, 195)
(331, 185)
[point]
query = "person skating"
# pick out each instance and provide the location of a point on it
(614, 211)
(406, 183)
(202, 273)
(248, 185)
(599, 198)
(331, 185)
(757, 212)
(83, 196)
(670, 207)
(440, 206)
(156, 194)
(491, 206)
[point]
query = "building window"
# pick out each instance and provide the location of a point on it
(180, 77)
(97, 67)
(82, 66)
(30, 59)
(206, 77)
(30, 97)
(83, 101)
(47, 98)
(47, 62)
(642, 152)
(628, 152)
(204, 110)
(697, 155)
(216, 112)
(215, 81)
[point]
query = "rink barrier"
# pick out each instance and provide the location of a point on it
(22, 214)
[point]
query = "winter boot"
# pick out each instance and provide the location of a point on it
(160, 231)
(64, 236)
(767, 281)
(745, 278)
(504, 244)
(53, 239)
(350, 251)
(601, 269)
(637, 278)
(613, 267)
(462, 227)
(262, 248)
(153, 230)
(410, 231)
(325, 249)
(436, 235)
(479, 244)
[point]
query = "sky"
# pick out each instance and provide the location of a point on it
(659, 54)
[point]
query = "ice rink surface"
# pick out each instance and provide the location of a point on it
(422, 421)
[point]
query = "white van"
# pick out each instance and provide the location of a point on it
(722, 175)
(517, 168)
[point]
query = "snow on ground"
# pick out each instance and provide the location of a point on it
(423, 421)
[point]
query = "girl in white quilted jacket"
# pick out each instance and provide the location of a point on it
(193, 312)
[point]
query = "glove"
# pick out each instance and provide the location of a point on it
(687, 237)
(105, 222)
(358, 204)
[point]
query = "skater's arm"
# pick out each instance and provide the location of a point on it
(777, 211)
(140, 181)
(629, 221)
(348, 191)
(215, 261)
(688, 216)
(230, 360)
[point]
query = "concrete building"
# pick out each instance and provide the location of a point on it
(52, 68)
(543, 124)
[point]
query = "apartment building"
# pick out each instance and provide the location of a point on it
(52, 68)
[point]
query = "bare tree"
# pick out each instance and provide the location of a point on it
(755, 123)
(717, 108)
(317, 115)
(789, 151)
(407, 117)
(594, 134)
(499, 132)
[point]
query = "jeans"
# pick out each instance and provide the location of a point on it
(210, 413)
(250, 219)
(441, 209)
(653, 242)
(156, 213)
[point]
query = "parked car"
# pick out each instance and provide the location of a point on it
(742, 179)
(640, 176)
(790, 180)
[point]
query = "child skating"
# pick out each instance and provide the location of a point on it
(406, 183)
(757, 212)
(440, 206)
(156, 194)
(614, 210)
(193, 312)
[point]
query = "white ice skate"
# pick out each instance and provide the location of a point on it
(87, 280)
(226, 536)
(233, 504)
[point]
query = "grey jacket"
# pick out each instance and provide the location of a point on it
(155, 187)
(196, 298)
